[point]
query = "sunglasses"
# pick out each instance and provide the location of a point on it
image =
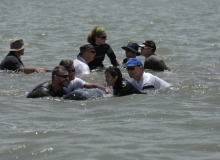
(130, 68)
(73, 70)
(63, 76)
(145, 47)
(103, 37)
(93, 52)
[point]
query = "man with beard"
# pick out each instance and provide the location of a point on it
(55, 87)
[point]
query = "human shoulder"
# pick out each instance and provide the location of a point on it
(76, 83)
(81, 67)
(153, 58)
(41, 90)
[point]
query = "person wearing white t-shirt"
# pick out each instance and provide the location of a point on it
(77, 83)
(86, 55)
(141, 79)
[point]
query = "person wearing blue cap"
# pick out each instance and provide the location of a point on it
(131, 51)
(142, 80)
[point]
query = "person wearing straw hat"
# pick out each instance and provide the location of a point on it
(12, 60)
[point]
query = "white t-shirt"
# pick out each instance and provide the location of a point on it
(81, 66)
(149, 81)
(77, 83)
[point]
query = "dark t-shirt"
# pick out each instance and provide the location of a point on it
(123, 87)
(101, 51)
(45, 90)
(11, 62)
(155, 63)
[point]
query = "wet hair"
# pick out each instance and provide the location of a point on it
(114, 71)
(67, 63)
(57, 70)
(92, 35)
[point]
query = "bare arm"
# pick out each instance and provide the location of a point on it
(28, 70)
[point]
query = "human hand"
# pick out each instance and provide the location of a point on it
(39, 70)
(108, 90)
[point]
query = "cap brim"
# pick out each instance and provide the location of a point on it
(124, 48)
(141, 45)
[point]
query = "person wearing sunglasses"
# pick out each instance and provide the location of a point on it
(86, 55)
(121, 87)
(142, 80)
(53, 88)
(97, 38)
(77, 83)
(131, 51)
(152, 61)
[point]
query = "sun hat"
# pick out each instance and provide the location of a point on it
(85, 48)
(133, 62)
(17, 44)
(150, 44)
(133, 47)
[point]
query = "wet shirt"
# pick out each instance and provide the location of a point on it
(101, 51)
(153, 62)
(123, 87)
(81, 66)
(149, 81)
(11, 62)
(75, 84)
(45, 90)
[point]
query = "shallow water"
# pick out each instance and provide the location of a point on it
(177, 123)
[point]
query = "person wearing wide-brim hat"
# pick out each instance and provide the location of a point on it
(12, 60)
(131, 51)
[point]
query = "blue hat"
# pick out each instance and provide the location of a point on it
(133, 62)
(133, 47)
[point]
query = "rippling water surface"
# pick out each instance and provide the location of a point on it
(177, 123)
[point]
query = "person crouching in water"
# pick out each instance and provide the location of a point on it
(55, 87)
(121, 87)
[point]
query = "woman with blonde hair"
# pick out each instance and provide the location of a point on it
(97, 38)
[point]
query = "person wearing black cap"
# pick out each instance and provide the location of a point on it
(131, 51)
(12, 60)
(86, 55)
(152, 61)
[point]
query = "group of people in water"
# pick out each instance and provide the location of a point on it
(91, 57)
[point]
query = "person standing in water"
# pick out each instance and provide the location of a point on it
(97, 38)
(152, 61)
(12, 60)
(131, 51)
